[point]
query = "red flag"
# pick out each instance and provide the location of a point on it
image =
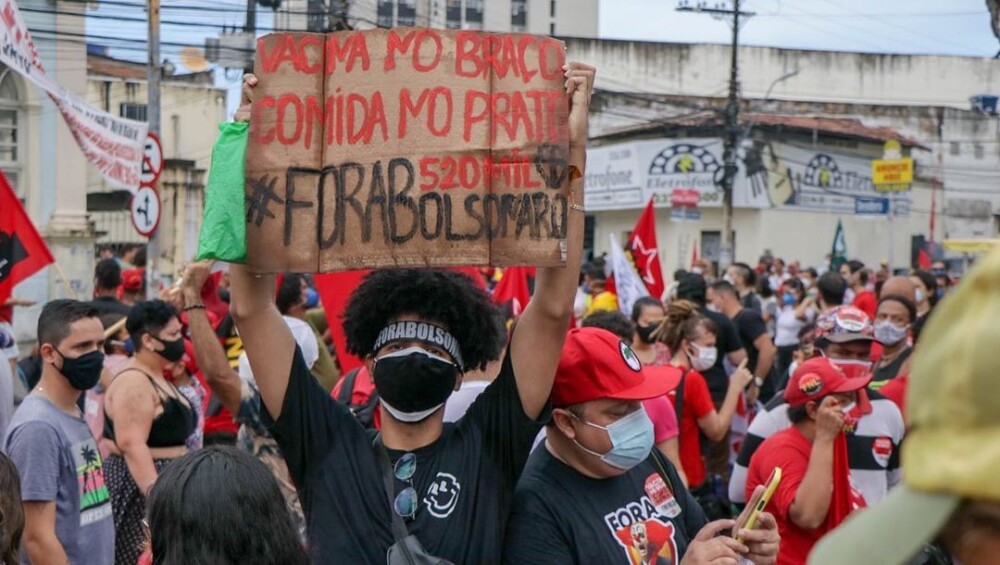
(22, 251)
(645, 252)
(923, 258)
(513, 289)
(335, 290)
(694, 254)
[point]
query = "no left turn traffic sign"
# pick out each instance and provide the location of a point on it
(145, 208)
(152, 161)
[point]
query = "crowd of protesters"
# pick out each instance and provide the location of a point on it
(214, 425)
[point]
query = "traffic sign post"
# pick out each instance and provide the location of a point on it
(145, 210)
(152, 161)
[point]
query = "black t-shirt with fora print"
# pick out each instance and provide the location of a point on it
(465, 479)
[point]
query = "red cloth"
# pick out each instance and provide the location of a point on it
(22, 251)
(923, 259)
(645, 251)
(220, 422)
(867, 302)
(210, 298)
(697, 405)
(895, 390)
(6, 313)
(513, 289)
(790, 450)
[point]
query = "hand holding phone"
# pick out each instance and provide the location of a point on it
(756, 504)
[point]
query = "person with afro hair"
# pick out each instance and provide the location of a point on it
(447, 488)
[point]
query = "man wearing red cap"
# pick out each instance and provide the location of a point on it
(815, 494)
(596, 491)
(844, 335)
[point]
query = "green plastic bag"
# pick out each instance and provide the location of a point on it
(223, 234)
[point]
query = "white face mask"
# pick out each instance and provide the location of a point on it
(704, 357)
(888, 333)
(410, 417)
(846, 409)
(920, 296)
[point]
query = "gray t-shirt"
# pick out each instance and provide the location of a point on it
(58, 461)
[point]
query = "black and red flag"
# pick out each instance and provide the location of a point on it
(22, 251)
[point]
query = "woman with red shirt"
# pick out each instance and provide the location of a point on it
(691, 337)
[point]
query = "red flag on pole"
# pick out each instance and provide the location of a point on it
(645, 251)
(513, 290)
(923, 258)
(22, 251)
(694, 254)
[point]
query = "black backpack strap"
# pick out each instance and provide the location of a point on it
(347, 387)
(679, 396)
(655, 462)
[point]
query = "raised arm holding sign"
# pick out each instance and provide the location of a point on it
(345, 199)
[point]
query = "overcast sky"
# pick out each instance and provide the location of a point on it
(947, 27)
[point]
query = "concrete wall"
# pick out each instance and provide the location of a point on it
(574, 18)
(703, 70)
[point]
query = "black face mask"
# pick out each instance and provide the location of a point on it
(82, 372)
(646, 333)
(172, 350)
(414, 384)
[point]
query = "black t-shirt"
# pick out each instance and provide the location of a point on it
(726, 342)
(750, 325)
(465, 479)
(561, 517)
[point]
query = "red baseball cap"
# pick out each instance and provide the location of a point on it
(595, 364)
(818, 377)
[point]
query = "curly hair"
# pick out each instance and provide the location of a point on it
(682, 322)
(445, 297)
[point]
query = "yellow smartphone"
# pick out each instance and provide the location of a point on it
(758, 503)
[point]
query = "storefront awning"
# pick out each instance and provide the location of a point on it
(970, 245)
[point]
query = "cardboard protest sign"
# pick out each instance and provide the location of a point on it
(407, 147)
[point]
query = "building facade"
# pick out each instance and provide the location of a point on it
(65, 198)
(813, 122)
(566, 18)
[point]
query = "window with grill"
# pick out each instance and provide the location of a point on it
(407, 13)
(10, 132)
(519, 15)
(133, 111)
(453, 14)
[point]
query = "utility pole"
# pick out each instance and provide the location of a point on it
(154, 74)
(251, 29)
(733, 132)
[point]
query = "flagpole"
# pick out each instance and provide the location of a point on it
(65, 280)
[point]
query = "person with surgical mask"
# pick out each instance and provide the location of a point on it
(844, 335)
(692, 339)
(596, 487)
(893, 321)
